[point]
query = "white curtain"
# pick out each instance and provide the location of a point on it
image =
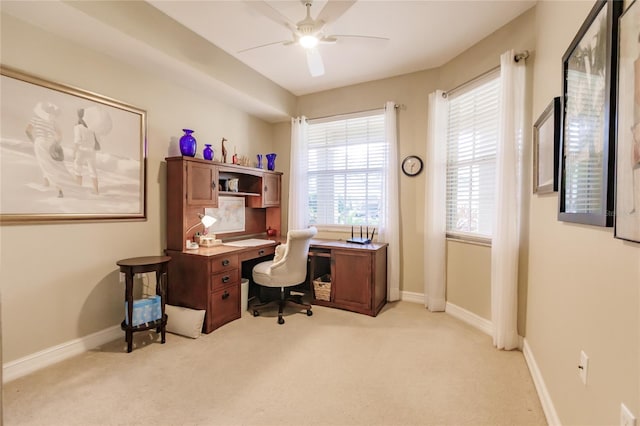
(505, 244)
(390, 220)
(298, 191)
(435, 228)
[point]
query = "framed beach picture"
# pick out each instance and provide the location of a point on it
(588, 119)
(627, 225)
(546, 149)
(67, 154)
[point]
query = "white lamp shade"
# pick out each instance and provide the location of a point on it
(207, 220)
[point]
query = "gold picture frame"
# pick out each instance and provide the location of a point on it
(67, 154)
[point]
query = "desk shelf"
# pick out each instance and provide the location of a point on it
(239, 194)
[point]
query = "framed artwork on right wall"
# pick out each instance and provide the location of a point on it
(627, 226)
(588, 119)
(546, 149)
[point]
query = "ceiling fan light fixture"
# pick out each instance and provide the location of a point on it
(308, 41)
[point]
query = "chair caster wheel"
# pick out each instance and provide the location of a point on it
(309, 312)
(280, 320)
(256, 313)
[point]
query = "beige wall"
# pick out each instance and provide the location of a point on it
(469, 277)
(584, 285)
(68, 286)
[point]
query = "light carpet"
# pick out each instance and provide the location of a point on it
(407, 366)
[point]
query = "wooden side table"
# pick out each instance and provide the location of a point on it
(139, 265)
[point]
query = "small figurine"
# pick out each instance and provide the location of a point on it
(224, 151)
(234, 158)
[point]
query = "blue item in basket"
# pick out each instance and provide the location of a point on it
(144, 310)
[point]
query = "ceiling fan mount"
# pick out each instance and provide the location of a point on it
(308, 32)
(308, 26)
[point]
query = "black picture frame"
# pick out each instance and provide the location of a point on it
(546, 149)
(627, 186)
(589, 68)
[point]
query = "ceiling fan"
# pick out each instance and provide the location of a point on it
(308, 33)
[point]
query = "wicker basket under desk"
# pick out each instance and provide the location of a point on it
(322, 287)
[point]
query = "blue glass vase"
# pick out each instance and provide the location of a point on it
(207, 152)
(188, 144)
(259, 164)
(271, 161)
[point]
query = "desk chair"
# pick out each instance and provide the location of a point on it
(287, 269)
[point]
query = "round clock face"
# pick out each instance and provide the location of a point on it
(412, 165)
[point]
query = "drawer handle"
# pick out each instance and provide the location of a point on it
(225, 279)
(260, 252)
(266, 188)
(225, 262)
(225, 295)
(213, 186)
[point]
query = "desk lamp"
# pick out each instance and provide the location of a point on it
(207, 241)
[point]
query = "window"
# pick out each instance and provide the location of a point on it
(347, 157)
(472, 134)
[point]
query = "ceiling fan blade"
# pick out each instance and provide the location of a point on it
(334, 9)
(314, 61)
(337, 36)
(268, 11)
(265, 45)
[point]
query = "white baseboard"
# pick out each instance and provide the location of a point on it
(30, 363)
(410, 296)
(470, 318)
(543, 394)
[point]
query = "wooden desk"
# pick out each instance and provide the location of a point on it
(358, 274)
(209, 279)
(139, 265)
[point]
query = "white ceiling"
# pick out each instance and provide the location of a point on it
(423, 34)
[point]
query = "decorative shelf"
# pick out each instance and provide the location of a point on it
(239, 194)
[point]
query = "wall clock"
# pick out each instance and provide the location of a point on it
(412, 165)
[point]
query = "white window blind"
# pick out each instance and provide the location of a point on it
(472, 136)
(347, 156)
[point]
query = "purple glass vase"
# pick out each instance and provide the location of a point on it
(259, 163)
(271, 161)
(188, 144)
(207, 152)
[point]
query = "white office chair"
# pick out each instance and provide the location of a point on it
(287, 269)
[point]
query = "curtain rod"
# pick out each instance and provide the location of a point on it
(396, 106)
(517, 57)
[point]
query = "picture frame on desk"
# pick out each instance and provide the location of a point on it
(67, 154)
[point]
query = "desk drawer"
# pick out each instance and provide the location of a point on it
(224, 306)
(224, 279)
(223, 263)
(257, 252)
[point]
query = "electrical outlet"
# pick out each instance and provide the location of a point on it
(626, 417)
(583, 366)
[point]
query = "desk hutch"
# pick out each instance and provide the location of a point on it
(209, 278)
